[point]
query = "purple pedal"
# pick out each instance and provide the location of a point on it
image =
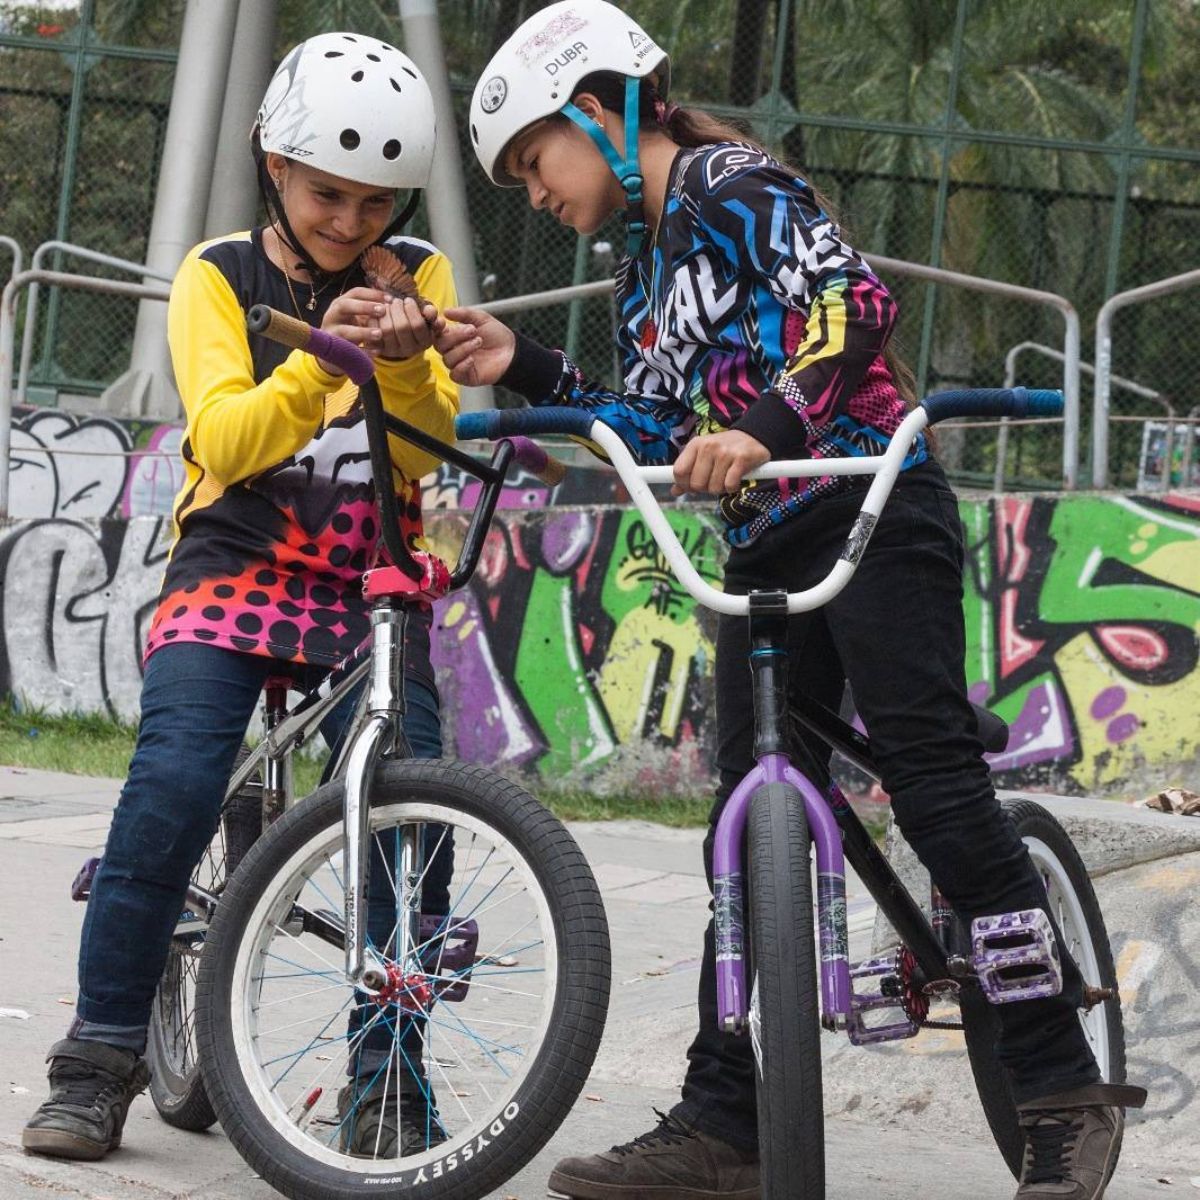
(1015, 956)
(450, 955)
(81, 885)
(884, 986)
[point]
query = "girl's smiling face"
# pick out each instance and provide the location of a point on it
(564, 172)
(335, 219)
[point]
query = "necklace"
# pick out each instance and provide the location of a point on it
(313, 290)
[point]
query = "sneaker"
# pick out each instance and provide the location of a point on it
(371, 1127)
(91, 1087)
(671, 1162)
(1072, 1141)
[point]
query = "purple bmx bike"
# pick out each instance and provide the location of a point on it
(781, 977)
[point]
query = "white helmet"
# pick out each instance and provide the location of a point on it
(352, 106)
(534, 73)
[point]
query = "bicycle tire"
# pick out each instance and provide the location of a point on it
(785, 1018)
(238, 984)
(176, 1081)
(1077, 911)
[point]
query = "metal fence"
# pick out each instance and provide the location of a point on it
(1055, 154)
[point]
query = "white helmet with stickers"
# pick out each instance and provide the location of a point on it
(352, 106)
(533, 74)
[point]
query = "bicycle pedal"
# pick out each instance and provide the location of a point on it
(1015, 956)
(81, 885)
(449, 954)
(882, 984)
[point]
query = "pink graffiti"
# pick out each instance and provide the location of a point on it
(1016, 649)
(1132, 646)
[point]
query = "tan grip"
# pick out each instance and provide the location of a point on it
(555, 471)
(284, 329)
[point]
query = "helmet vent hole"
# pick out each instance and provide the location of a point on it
(474, 134)
(350, 39)
(374, 58)
(333, 53)
(394, 84)
(411, 72)
(349, 139)
(391, 149)
(357, 77)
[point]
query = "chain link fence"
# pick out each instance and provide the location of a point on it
(1051, 147)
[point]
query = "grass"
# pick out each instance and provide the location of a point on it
(92, 744)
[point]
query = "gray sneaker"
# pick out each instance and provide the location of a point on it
(91, 1088)
(1072, 1141)
(671, 1162)
(376, 1121)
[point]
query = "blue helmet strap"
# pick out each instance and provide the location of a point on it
(625, 169)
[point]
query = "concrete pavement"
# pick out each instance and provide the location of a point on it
(903, 1118)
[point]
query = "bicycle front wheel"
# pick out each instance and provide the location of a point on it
(784, 1008)
(1074, 906)
(176, 1082)
(457, 1072)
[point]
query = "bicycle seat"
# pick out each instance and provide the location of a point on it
(992, 729)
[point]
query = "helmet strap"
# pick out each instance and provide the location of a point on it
(625, 169)
(276, 215)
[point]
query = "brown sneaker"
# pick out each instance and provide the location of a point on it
(91, 1087)
(671, 1162)
(1072, 1141)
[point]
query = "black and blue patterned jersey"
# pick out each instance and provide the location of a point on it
(747, 310)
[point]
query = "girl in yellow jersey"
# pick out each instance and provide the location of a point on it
(274, 527)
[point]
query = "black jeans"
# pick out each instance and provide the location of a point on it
(896, 635)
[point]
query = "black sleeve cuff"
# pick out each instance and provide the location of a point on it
(535, 372)
(772, 421)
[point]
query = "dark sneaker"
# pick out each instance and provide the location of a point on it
(1072, 1141)
(91, 1088)
(671, 1162)
(372, 1127)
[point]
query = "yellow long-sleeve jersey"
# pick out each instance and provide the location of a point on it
(276, 520)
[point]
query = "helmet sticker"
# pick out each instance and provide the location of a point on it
(542, 42)
(493, 94)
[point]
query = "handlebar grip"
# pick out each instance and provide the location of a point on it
(508, 422)
(288, 331)
(994, 402)
(534, 459)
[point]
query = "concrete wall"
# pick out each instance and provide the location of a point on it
(575, 653)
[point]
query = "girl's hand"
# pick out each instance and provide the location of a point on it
(717, 462)
(380, 324)
(476, 347)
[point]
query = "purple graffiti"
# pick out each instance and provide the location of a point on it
(1107, 702)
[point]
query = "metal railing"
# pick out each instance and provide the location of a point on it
(35, 264)
(1010, 376)
(1104, 376)
(8, 326)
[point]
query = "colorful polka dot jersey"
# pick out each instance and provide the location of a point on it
(276, 521)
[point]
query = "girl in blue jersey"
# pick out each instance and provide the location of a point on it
(750, 330)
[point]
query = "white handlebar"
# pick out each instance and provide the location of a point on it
(885, 467)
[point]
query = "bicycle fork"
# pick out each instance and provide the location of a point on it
(382, 732)
(773, 768)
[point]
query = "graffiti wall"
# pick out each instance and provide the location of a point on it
(575, 655)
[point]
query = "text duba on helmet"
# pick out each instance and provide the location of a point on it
(538, 68)
(352, 106)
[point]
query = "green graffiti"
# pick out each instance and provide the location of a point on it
(1098, 542)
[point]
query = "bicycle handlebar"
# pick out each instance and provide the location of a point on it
(968, 402)
(279, 327)
(1011, 402)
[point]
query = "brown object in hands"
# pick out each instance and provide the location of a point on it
(387, 273)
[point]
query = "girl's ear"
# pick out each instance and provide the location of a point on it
(587, 104)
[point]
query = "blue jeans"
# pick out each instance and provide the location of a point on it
(197, 701)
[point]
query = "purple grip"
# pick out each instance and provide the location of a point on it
(346, 356)
(529, 455)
